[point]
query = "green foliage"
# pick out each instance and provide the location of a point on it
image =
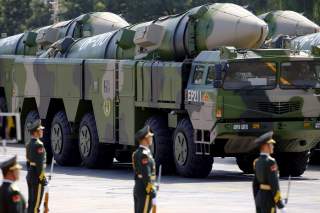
(40, 15)
(19, 15)
(13, 15)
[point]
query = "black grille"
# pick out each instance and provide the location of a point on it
(279, 107)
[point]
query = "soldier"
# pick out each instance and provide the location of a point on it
(266, 188)
(145, 172)
(36, 159)
(11, 200)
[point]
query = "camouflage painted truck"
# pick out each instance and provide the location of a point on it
(212, 105)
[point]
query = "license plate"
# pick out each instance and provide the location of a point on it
(317, 126)
(240, 126)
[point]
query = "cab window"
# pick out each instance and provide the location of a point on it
(198, 74)
(211, 75)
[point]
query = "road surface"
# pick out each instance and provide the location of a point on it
(80, 190)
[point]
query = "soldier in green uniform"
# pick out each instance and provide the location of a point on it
(36, 159)
(11, 200)
(266, 188)
(144, 173)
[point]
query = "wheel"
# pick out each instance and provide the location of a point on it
(245, 163)
(292, 163)
(64, 148)
(31, 116)
(162, 143)
(93, 153)
(187, 163)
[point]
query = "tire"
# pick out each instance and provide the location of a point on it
(93, 154)
(187, 163)
(31, 116)
(245, 163)
(64, 147)
(162, 143)
(292, 163)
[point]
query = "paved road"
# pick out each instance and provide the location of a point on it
(79, 190)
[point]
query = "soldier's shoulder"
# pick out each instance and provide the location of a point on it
(272, 164)
(38, 147)
(39, 142)
(137, 152)
(141, 153)
(14, 188)
(15, 194)
(271, 160)
(145, 152)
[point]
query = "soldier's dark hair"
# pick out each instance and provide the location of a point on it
(33, 131)
(5, 171)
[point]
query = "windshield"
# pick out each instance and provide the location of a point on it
(250, 75)
(300, 74)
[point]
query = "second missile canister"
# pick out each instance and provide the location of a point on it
(179, 36)
(290, 23)
(306, 43)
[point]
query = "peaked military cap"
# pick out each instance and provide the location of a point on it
(265, 139)
(10, 164)
(32, 126)
(145, 132)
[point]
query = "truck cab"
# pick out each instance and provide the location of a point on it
(234, 96)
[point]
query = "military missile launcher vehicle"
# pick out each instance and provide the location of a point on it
(288, 23)
(94, 94)
(214, 105)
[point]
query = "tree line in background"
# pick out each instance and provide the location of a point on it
(19, 15)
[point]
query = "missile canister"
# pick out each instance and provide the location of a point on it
(90, 24)
(178, 36)
(285, 22)
(305, 43)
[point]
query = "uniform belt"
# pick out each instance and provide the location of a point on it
(265, 187)
(32, 163)
(138, 176)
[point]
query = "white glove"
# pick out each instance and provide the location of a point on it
(283, 210)
(154, 201)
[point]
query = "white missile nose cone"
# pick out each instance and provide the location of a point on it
(251, 32)
(236, 26)
(307, 27)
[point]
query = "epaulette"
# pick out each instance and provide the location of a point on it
(272, 159)
(14, 187)
(146, 152)
(39, 142)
